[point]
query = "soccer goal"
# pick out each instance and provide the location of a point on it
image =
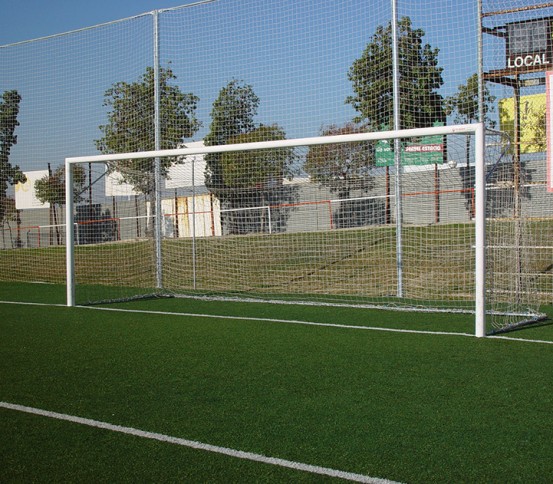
(427, 219)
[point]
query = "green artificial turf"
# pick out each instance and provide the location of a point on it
(406, 407)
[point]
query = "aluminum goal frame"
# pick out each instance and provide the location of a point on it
(476, 129)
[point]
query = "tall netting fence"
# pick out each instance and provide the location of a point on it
(236, 71)
(54, 90)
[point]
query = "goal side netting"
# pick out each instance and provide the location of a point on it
(425, 219)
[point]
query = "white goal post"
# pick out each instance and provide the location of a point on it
(477, 131)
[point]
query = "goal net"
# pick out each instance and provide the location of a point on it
(428, 219)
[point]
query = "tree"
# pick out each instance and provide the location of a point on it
(51, 189)
(464, 107)
(9, 175)
(131, 126)
(419, 80)
(260, 168)
(464, 104)
(247, 179)
(343, 168)
(232, 115)
(255, 179)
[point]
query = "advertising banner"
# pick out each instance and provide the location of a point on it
(531, 116)
(25, 194)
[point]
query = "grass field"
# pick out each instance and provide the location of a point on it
(258, 378)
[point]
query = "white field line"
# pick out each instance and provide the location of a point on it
(21, 303)
(239, 454)
(273, 320)
(284, 321)
(510, 338)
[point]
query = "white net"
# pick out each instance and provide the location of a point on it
(316, 236)
(60, 81)
(240, 70)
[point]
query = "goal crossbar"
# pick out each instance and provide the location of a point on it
(468, 129)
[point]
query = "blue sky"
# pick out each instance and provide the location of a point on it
(295, 53)
(30, 19)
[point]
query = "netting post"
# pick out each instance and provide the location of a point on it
(480, 228)
(69, 235)
(157, 147)
(480, 54)
(193, 223)
(397, 151)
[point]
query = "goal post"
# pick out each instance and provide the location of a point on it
(480, 232)
(332, 242)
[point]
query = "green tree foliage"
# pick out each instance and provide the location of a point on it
(256, 179)
(255, 169)
(464, 105)
(232, 115)
(539, 129)
(51, 188)
(344, 168)
(9, 175)
(11, 214)
(131, 126)
(247, 179)
(341, 167)
(419, 80)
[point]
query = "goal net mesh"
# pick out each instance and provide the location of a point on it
(324, 224)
